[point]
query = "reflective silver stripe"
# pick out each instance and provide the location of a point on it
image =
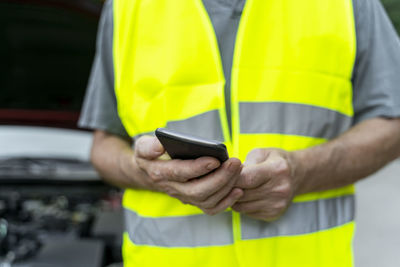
(206, 125)
(188, 231)
(302, 218)
(291, 119)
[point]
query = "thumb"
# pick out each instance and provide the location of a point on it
(148, 147)
(256, 156)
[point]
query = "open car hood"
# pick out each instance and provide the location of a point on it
(47, 50)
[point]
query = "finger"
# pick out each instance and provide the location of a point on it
(148, 147)
(274, 189)
(254, 194)
(268, 209)
(256, 156)
(214, 199)
(262, 216)
(200, 189)
(253, 176)
(249, 207)
(178, 170)
(227, 202)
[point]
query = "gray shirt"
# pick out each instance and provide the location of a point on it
(376, 74)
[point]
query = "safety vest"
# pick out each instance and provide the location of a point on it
(291, 89)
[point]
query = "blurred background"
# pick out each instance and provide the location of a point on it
(54, 208)
(393, 9)
(377, 238)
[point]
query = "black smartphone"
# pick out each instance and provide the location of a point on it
(183, 146)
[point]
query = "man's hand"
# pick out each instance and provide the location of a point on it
(270, 178)
(201, 182)
(269, 184)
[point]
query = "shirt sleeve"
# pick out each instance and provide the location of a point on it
(376, 76)
(99, 109)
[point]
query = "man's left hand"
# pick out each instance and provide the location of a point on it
(269, 182)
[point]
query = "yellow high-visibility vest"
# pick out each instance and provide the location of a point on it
(291, 89)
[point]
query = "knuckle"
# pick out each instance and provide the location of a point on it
(169, 172)
(139, 162)
(167, 188)
(251, 180)
(191, 192)
(175, 172)
(200, 196)
(170, 191)
(223, 182)
(279, 207)
(156, 175)
(272, 215)
(281, 167)
(210, 212)
(284, 190)
(256, 152)
(196, 194)
(203, 205)
(209, 204)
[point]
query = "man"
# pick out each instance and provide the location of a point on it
(312, 107)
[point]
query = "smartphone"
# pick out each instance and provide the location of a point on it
(183, 146)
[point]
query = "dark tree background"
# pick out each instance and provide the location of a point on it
(393, 8)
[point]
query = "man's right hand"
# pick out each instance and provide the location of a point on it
(201, 182)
